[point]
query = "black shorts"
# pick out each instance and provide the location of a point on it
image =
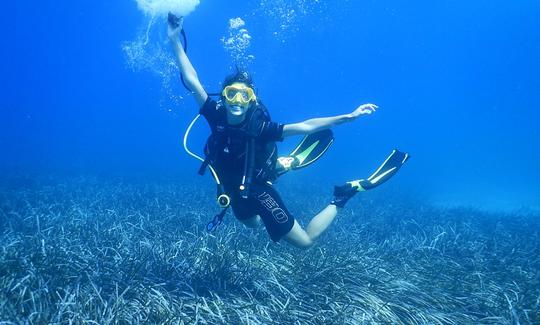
(264, 201)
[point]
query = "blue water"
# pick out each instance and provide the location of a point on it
(456, 81)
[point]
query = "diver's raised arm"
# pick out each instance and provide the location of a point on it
(318, 124)
(186, 68)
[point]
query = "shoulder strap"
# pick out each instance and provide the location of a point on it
(257, 118)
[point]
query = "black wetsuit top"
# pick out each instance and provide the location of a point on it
(229, 160)
(229, 164)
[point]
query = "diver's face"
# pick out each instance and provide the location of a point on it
(236, 114)
(238, 97)
(236, 109)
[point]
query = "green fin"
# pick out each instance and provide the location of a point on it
(311, 148)
(388, 169)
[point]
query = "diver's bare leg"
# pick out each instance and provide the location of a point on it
(304, 238)
(253, 222)
(321, 221)
(298, 237)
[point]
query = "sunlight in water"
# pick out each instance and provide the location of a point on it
(155, 8)
(150, 50)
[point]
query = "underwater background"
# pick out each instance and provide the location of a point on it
(102, 213)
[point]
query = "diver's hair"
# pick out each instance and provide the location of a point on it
(239, 76)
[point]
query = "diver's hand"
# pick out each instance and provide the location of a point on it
(175, 25)
(364, 109)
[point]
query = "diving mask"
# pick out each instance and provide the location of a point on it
(238, 94)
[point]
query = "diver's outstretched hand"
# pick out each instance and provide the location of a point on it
(364, 109)
(175, 25)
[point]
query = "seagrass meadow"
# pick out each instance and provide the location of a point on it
(85, 250)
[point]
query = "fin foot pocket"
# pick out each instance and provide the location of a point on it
(343, 193)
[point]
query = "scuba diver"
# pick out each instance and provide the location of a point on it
(242, 154)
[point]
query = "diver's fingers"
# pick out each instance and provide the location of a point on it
(371, 107)
(366, 110)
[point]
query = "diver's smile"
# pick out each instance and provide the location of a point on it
(236, 110)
